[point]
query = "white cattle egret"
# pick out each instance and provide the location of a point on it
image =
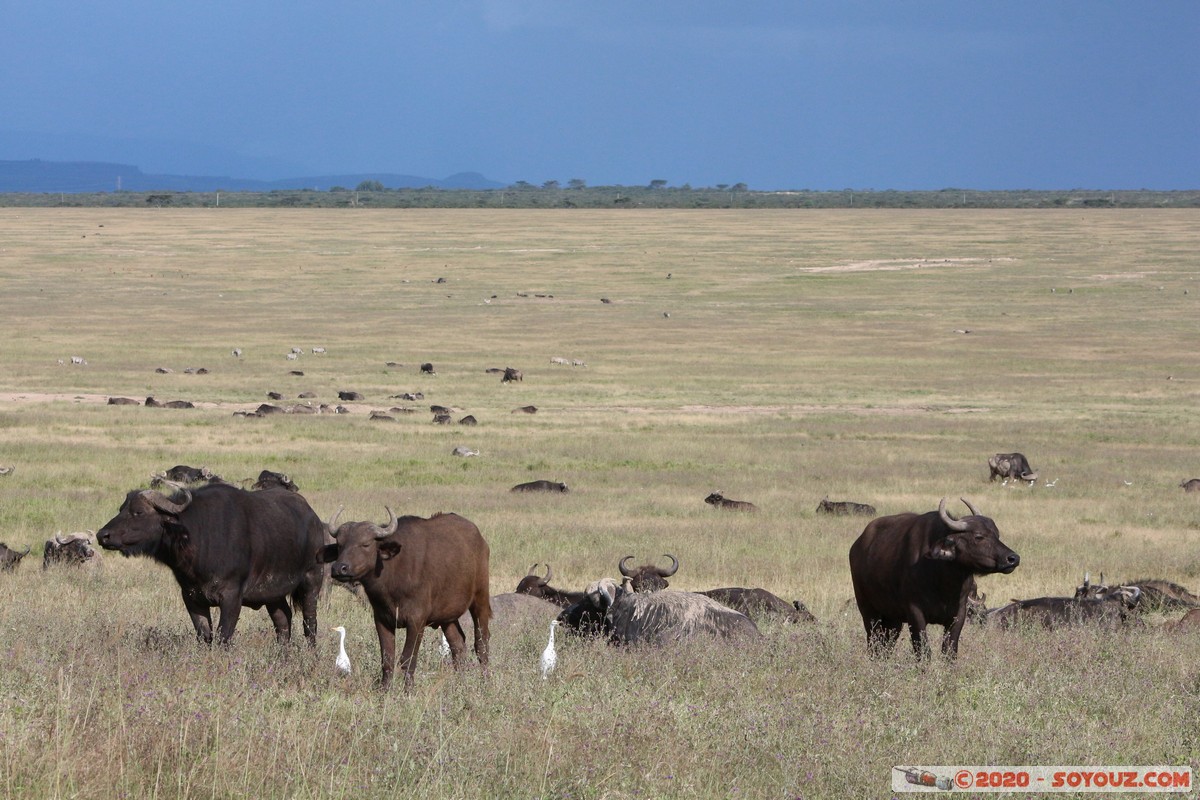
(343, 661)
(444, 647)
(549, 657)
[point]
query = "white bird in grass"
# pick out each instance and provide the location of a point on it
(549, 657)
(444, 647)
(343, 661)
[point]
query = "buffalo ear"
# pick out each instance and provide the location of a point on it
(942, 550)
(388, 548)
(327, 554)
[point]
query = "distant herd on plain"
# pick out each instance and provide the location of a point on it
(264, 547)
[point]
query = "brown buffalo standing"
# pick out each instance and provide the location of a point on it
(417, 573)
(919, 569)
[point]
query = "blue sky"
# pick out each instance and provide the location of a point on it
(778, 95)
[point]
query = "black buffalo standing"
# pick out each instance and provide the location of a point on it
(228, 548)
(417, 573)
(919, 569)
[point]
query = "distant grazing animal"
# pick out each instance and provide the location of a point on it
(716, 500)
(843, 507)
(10, 558)
(181, 473)
(436, 409)
(416, 573)
(1191, 485)
(658, 618)
(559, 360)
(179, 404)
(9, 470)
(525, 410)
(441, 419)
(1010, 465)
(1156, 594)
(266, 408)
(384, 416)
(74, 548)
(349, 397)
(237, 352)
(760, 605)
(468, 420)
(228, 548)
(78, 360)
(536, 586)
(511, 374)
(464, 452)
(317, 351)
(1055, 612)
(919, 569)
(648, 578)
(274, 480)
(427, 369)
(123, 401)
(540, 486)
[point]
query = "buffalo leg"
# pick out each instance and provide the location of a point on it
(231, 609)
(413, 632)
(481, 616)
(950, 636)
(305, 598)
(201, 618)
(281, 617)
(386, 630)
(457, 641)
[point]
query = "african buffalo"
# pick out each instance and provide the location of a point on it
(716, 500)
(1156, 594)
(417, 573)
(72, 549)
(537, 586)
(540, 486)
(1191, 485)
(760, 605)
(1055, 612)
(511, 374)
(1010, 465)
(648, 578)
(228, 548)
(918, 569)
(10, 558)
(658, 617)
(843, 507)
(181, 473)
(274, 480)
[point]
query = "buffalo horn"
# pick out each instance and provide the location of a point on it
(951, 523)
(674, 567)
(392, 526)
(545, 580)
(624, 569)
(164, 503)
(332, 524)
(974, 510)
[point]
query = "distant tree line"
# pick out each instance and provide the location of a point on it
(575, 193)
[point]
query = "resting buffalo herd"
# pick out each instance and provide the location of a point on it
(264, 547)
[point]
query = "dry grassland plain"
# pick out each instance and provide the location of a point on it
(775, 356)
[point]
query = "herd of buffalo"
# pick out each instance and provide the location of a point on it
(264, 547)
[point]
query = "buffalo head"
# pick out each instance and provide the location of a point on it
(648, 578)
(145, 518)
(360, 547)
(533, 584)
(972, 542)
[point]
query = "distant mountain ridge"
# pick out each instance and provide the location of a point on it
(36, 176)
